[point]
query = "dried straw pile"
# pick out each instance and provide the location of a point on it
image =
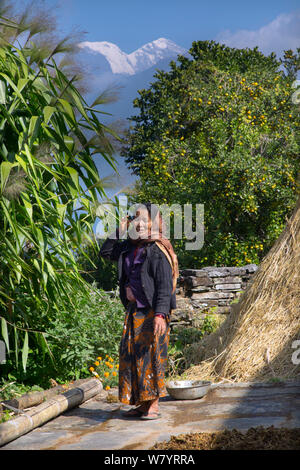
(255, 341)
(259, 438)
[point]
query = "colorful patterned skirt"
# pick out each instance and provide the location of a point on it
(143, 357)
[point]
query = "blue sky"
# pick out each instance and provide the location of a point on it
(130, 24)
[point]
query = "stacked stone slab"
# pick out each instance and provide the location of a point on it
(198, 290)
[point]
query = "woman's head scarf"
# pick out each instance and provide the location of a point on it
(158, 235)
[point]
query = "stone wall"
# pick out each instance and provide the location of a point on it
(199, 290)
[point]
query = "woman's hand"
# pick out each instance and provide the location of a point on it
(124, 222)
(160, 326)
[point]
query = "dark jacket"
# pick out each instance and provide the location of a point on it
(156, 273)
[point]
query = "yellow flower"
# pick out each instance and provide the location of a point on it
(99, 358)
(114, 374)
(107, 363)
(91, 369)
(96, 363)
(107, 387)
(117, 366)
(106, 374)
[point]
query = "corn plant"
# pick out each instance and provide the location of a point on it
(49, 184)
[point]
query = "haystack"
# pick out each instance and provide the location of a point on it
(255, 341)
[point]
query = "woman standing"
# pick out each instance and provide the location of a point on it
(147, 272)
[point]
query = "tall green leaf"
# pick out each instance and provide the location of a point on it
(5, 170)
(48, 112)
(25, 351)
(4, 331)
(16, 346)
(2, 92)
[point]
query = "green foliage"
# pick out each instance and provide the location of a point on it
(10, 389)
(90, 326)
(94, 268)
(107, 275)
(5, 416)
(83, 327)
(49, 187)
(220, 129)
(276, 380)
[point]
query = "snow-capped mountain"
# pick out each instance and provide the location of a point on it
(109, 68)
(138, 61)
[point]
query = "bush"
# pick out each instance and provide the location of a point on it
(181, 338)
(90, 325)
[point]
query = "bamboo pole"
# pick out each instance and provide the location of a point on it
(32, 399)
(35, 398)
(30, 420)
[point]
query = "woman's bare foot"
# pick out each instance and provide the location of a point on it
(153, 407)
(138, 411)
(144, 406)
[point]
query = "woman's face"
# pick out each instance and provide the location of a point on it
(142, 223)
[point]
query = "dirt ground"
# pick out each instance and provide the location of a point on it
(254, 439)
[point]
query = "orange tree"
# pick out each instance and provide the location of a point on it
(220, 129)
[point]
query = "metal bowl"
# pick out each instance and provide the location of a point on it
(188, 389)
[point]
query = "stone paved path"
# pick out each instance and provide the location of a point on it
(97, 424)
